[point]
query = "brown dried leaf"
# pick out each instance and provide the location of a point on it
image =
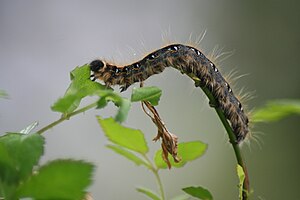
(169, 141)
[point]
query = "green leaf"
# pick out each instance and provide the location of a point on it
(276, 110)
(241, 175)
(18, 154)
(126, 137)
(123, 103)
(123, 110)
(188, 151)
(198, 192)
(127, 154)
(66, 104)
(29, 128)
(148, 193)
(59, 179)
(81, 82)
(102, 103)
(151, 94)
(80, 87)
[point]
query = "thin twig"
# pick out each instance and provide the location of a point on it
(154, 169)
(66, 117)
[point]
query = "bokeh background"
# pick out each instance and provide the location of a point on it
(42, 41)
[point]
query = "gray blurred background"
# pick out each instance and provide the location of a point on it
(42, 41)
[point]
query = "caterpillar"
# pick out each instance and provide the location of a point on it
(187, 60)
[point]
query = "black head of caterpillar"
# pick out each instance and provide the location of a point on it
(96, 65)
(188, 60)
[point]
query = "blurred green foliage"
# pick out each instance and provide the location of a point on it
(20, 178)
(276, 110)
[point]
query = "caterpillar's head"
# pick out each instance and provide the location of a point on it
(97, 65)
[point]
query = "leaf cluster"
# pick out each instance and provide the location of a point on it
(129, 143)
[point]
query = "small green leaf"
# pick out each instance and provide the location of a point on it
(81, 82)
(241, 175)
(80, 87)
(124, 107)
(126, 137)
(66, 104)
(127, 154)
(198, 192)
(148, 193)
(151, 94)
(18, 154)
(123, 103)
(187, 151)
(102, 103)
(59, 179)
(276, 110)
(29, 128)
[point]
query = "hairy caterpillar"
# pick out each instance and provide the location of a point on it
(188, 60)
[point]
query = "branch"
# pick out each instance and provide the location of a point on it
(66, 117)
(232, 138)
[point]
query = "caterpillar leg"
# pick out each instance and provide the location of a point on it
(142, 84)
(124, 88)
(213, 105)
(92, 77)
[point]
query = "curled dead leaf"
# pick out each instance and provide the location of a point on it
(169, 142)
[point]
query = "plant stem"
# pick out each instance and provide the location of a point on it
(156, 174)
(66, 117)
(232, 138)
(161, 189)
